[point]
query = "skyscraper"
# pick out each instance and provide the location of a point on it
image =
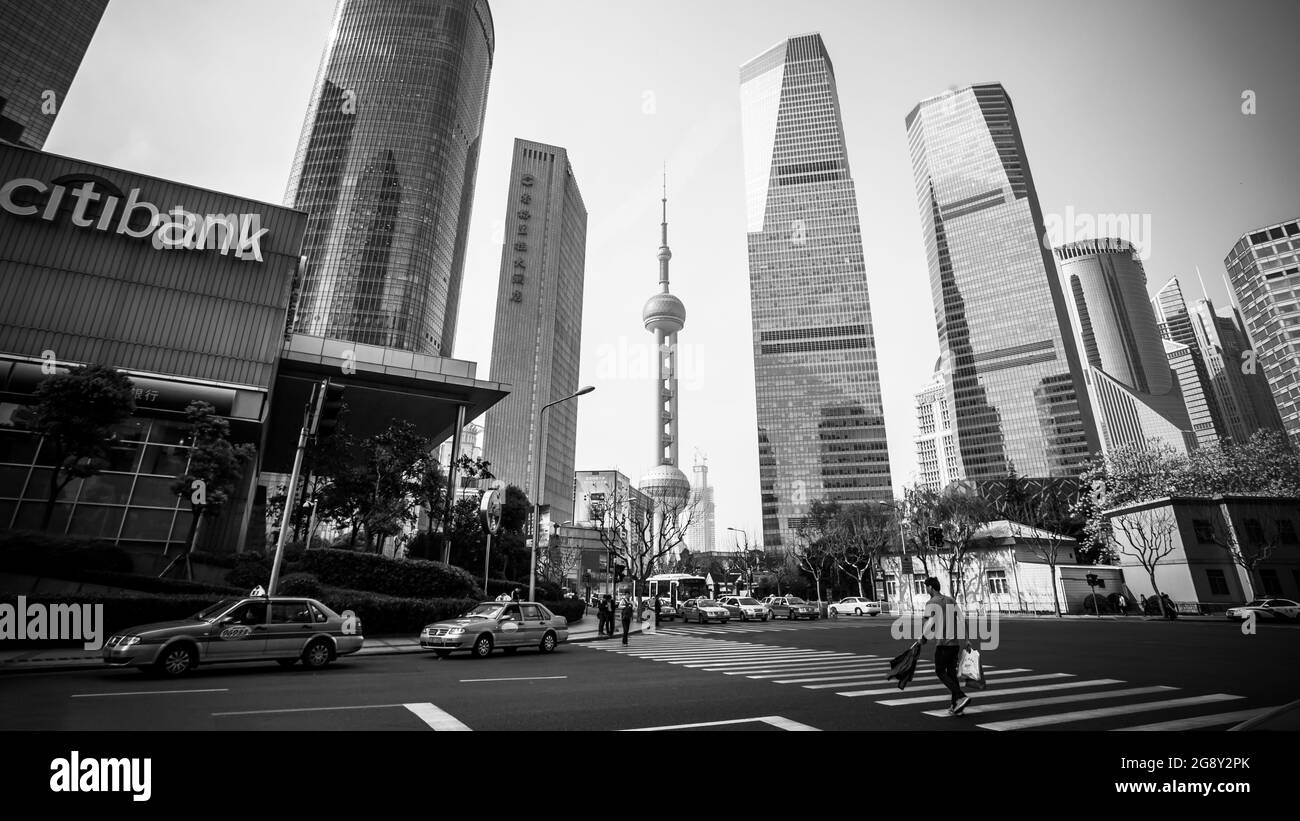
(701, 535)
(1189, 362)
(1010, 365)
(936, 449)
(1245, 400)
(41, 48)
(1264, 269)
(821, 426)
(386, 168)
(538, 335)
(1134, 390)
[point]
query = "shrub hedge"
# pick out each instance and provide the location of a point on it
(571, 609)
(404, 578)
(300, 584)
(393, 615)
(41, 554)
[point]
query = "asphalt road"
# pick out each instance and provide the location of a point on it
(1046, 674)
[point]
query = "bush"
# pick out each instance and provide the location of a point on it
(300, 584)
(151, 584)
(250, 570)
(122, 611)
(571, 609)
(393, 615)
(403, 578)
(41, 554)
(1096, 601)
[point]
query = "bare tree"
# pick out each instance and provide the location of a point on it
(1038, 524)
(639, 537)
(815, 546)
(1248, 546)
(1147, 536)
(865, 531)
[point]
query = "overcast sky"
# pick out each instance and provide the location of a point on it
(1125, 107)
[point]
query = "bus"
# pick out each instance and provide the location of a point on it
(677, 587)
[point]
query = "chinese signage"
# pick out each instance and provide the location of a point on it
(523, 215)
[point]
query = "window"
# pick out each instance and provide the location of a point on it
(1286, 531)
(290, 612)
(531, 612)
(253, 612)
(1272, 587)
(891, 585)
(1254, 532)
(1204, 531)
(998, 582)
(318, 615)
(1218, 582)
(918, 584)
(511, 612)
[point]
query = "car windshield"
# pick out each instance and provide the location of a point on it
(487, 610)
(749, 601)
(793, 600)
(1258, 603)
(706, 603)
(210, 613)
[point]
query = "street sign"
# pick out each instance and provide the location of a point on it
(907, 565)
(490, 508)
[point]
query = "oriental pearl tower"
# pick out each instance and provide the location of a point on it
(664, 315)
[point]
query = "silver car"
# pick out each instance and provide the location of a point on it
(508, 625)
(285, 629)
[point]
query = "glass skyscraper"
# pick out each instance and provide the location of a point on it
(821, 427)
(1264, 268)
(1175, 324)
(386, 167)
(537, 340)
(1009, 362)
(41, 48)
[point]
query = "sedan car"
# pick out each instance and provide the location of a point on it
(508, 625)
(704, 611)
(792, 607)
(854, 606)
(666, 609)
(285, 629)
(1275, 609)
(744, 608)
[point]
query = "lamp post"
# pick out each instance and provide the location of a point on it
(745, 553)
(537, 486)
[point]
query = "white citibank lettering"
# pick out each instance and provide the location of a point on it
(172, 230)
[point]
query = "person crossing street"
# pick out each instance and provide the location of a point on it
(941, 612)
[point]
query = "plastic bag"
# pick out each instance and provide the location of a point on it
(970, 671)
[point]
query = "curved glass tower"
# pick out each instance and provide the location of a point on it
(385, 168)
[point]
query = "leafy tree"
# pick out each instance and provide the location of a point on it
(75, 413)
(215, 466)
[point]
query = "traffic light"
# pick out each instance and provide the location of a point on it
(936, 536)
(329, 405)
(619, 570)
(1092, 579)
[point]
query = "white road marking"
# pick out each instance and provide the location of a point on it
(886, 691)
(307, 709)
(520, 678)
(436, 717)
(1104, 712)
(1025, 703)
(776, 721)
(814, 666)
(150, 693)
(1064, 685)
(1197, 722)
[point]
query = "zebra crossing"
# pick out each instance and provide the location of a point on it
(734, 627)
(1035, 699)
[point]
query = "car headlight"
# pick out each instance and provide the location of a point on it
(127, 641)
(455, 631)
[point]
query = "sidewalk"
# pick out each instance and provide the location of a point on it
(71, 658)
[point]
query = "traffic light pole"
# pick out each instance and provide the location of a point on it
(310, 415)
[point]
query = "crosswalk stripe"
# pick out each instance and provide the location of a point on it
(866, 670)
(789, 668)
(731, 663)
(1104, 712)
(1197, 722)
(1037, 688)
(738, 658)
(894, 689)
(1023, 704)
(813, 668)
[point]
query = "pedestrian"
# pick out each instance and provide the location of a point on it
(516, 596)
(1170, 612)
(942, 612)
(658, 604)
(1142, 605)
(1123, 605)
(600, 617)
(609, 615)
(627, 618)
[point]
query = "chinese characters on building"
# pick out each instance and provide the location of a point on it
(521, 244)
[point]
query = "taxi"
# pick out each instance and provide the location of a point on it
(492, 625)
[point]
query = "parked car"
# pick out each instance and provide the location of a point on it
(854, 606)
(704, 611)
(1274, 609)
(792, 607)
(666, 609)
(507, 625)
(744, 608)
(285, 629)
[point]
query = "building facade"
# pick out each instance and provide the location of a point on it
(1012, 372)
(936, 447)
(1188, 370)
(538, 336)
(701, 534)
(1264, 270)
(1134, 391)
(386, 167)
(41, 48)
(1244, 399)
(821, 427)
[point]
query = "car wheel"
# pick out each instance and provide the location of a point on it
(857, 611)
(483, 647)
(442, 654)
(548, 643)
(177, 660)
(509, 651)
(317, 655)
(286, 662)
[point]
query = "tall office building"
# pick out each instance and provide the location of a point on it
(1011, 369)
(41, 48)
(537, 341)
(1264, 269)
(1205, 405)
(1134, 390)
(1245, 401)
(701, 534)
(821, 425)
(386, 167)
(936, 447)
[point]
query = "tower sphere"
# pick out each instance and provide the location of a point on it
(664, 312)
(668, 486)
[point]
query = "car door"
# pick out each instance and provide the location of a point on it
(291, 625)
(533, 626)
(240, 634)
(510, 627)
(780, 608)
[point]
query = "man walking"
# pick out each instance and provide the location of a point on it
(609, 615)
(1123, 605)
(601, 606)
(941, 611)
(627, 618)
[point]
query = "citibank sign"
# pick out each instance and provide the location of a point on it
(100, 206)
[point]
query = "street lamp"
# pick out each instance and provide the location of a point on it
(537, 487)
(745, 554)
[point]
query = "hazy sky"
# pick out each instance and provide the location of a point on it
(1125, 108)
